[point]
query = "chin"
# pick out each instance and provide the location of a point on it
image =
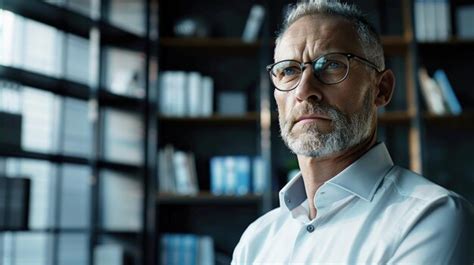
(308, 144)
(315, 144)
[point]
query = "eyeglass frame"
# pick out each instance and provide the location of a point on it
(348, 55)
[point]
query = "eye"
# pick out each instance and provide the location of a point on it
(289, 71)
(286, 69)
(333, 65)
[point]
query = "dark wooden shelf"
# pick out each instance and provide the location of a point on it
(134, 169)
(54, 158)
(448, 43)
(119, 233)
(59, 230)
(206, 198)
(464, 120)
(107, 98)
(58, 86)
(58, 158)
(73, 22)
(394, 117)
(251, 117)
(395, 45)
(211, 46)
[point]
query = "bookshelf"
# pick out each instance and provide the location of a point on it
(73, 134)
(447, 138)
(404, 125)
(436, 145)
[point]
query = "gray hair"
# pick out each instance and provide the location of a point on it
(368, 38)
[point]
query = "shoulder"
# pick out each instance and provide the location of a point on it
(428, 203)
(411, 185)
(433, 224)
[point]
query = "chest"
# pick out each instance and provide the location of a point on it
(344, 239)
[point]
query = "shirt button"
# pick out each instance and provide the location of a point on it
(310, 228)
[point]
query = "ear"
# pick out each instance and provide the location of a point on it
(385, 87)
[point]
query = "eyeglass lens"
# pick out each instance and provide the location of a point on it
(329, 69)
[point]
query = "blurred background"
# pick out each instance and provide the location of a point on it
(145, 132)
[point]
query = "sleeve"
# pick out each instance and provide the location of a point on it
(442, 234)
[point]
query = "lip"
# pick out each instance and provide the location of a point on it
(308, 118)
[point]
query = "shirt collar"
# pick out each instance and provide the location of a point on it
(361, 178)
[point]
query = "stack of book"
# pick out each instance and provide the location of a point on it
(438, 93)
(77, 59)
(41, 119)
(187, 249)
(77, 133)
(121, 202)
(43, 178)
(123, 136)
(73, 248)
(27, 248)
(111, 254)
(75, 196)
(177, 172)
(464, 19)
(185, 94)
(125, 72)
(237, 175)
(432, 20)
(30, 45)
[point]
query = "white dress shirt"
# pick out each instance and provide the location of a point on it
(370, 213)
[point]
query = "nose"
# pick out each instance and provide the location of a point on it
(309, 86)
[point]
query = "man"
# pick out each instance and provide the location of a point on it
(349, 204)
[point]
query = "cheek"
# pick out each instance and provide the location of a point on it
(285, 103)
(349, 99)
(280, 100)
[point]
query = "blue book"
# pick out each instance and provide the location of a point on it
(242, 166)
(230, 175)
(448, 92)
(259, 183)
(166, 249)
(217, 175)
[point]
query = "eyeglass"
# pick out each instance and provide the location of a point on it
(329, 69)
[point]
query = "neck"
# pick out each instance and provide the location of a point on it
(317, 170)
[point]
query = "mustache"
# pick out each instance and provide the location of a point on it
(309, 108)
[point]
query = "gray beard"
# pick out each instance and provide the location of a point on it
(347, 132)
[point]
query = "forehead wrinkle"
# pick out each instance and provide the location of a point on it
(312, 36)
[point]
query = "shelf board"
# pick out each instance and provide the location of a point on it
(394, 117)
(210, 46)
(54, 158)
(51, 15)
(395, 45)
(55, 85)
(73, 22)
(134, 169)
(448, 43)
(57, 230)
(464, 120)
(110, 99)
(251, 117)
(58, 158)
(119, 233)
(206, 198)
